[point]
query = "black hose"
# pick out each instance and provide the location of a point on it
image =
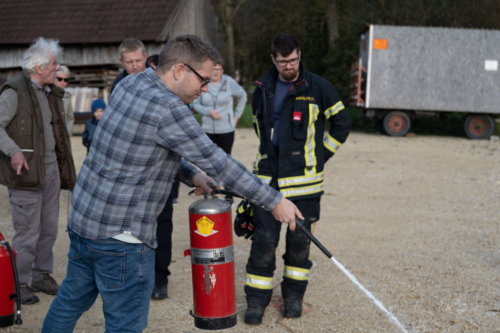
(300, 224)
(298, 221)
(219, 191)
(19, 321)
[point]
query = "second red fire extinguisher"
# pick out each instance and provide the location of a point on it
(9, 286)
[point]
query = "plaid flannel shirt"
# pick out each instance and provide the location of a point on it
(135, 155)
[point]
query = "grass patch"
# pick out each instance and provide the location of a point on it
(358, 123)
(245, 120)
(497, 129)
(449, 124)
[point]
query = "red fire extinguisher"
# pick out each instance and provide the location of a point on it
(9, 285)
(212, 263)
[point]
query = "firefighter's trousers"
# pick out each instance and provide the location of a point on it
(262, 262)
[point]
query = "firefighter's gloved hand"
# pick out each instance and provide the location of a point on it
(243, 223)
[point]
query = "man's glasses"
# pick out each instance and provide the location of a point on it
(283, 63)
(206, 81)
(60, 79)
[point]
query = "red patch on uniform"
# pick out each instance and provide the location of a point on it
(297, 115)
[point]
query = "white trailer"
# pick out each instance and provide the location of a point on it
(408, 72)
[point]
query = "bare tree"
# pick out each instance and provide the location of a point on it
(332, 20)
(226, 10)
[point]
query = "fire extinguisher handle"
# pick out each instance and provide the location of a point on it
(212, 185)
(300, 224)
(222, 192)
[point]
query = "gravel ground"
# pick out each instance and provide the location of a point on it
(415, 219)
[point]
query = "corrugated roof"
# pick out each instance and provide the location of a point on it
(83, 21)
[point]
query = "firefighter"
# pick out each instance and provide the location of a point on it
(290, 108)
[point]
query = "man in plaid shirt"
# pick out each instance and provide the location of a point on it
(137, 153)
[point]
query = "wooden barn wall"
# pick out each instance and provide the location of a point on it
(198, 17)
(194, 17)
(74, 55)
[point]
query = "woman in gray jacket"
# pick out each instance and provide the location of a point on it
(219, 120)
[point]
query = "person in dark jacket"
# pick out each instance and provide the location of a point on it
(152, 60)
(98, 107)
(133, 59)
(35, 164)
(290, 107)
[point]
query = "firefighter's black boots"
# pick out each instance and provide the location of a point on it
(293, 308)
(254, 313)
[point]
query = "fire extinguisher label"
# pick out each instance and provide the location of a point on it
(212, 256)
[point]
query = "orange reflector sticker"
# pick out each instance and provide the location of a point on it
(380, 44)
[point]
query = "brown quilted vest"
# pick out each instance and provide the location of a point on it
(27, 131)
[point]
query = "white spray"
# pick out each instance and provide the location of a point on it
(346, 272)
(369, 294)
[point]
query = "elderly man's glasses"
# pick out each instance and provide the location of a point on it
(283, 63)
(60, 79)
(206, 81)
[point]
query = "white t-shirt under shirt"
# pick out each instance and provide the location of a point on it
(127, 237)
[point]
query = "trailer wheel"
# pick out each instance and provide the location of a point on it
(479, 126)
(396, 123)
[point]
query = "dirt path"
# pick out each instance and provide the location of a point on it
(416, 220)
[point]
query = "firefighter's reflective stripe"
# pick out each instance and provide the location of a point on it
(259, 156)
(299, 191)
(259, 282)
(256, 163)
(334, 110)
(331, 144)
(310, 145)
(241, 210)
(256, 122)
(292, 181)
(296, 273)
(265, 179)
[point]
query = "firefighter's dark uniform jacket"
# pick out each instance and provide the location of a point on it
(297, 165)
(295, 168)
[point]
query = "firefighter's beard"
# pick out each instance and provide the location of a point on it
(289, 75)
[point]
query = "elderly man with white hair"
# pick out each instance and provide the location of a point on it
(62, 79)
(35, 163)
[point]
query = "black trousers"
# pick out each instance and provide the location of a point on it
(262, 262)
(224, 141)
(175, 189)
(163, 253)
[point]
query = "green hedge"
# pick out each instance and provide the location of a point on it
(245, 120)
(449, 124)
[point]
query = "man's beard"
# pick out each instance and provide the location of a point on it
(289, 75)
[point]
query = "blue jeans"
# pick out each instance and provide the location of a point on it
(122, 273)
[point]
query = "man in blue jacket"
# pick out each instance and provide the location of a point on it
(290, 108)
